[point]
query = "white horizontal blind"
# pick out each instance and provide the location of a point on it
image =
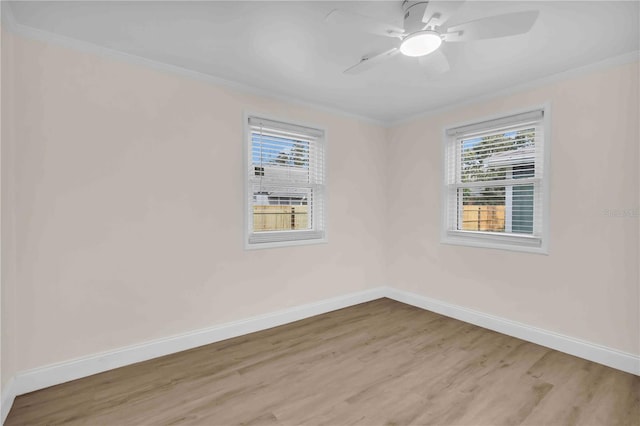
(286, 182)
(494, 179)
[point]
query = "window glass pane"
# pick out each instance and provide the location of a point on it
(281, 211)
(280, 158)
(482, 209)
(522, 209)
(277, 158)
(496, 209)
(491, 157)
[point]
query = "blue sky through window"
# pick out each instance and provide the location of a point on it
(470, 143)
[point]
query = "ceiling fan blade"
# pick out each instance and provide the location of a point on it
(493, 27)
(435, 63)
(362, 23)
(439, 11)
(370, 61)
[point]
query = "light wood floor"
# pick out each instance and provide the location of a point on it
(379, 363)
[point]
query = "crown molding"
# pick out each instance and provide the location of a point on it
(612, 62)
(10, 23)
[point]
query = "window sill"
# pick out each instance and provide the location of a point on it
(283, 242)
(521, 243)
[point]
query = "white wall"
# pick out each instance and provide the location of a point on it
(587, 287)
(129, 211)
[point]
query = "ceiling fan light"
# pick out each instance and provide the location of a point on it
(420, 43)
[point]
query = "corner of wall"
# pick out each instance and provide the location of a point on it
(7, 216)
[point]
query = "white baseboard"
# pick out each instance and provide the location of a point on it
(570, 345)
(39, 378)
(54, 374)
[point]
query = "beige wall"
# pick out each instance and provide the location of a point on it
(587, 287)
(8, 288)
(129, 207)
(122, 191)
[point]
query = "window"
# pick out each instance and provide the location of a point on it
(285, 183)
(496, 182)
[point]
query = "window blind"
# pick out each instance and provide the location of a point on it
(286, 182)
(494, 179)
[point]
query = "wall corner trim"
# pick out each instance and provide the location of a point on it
(54, 374)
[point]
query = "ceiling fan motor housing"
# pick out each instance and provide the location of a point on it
(413, 14)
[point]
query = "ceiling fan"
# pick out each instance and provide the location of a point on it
(425, 30)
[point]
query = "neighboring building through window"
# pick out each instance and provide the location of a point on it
(496, 182)
(285, 181)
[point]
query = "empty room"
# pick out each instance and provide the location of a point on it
(320, 212)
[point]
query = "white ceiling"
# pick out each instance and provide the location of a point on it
(288, 49)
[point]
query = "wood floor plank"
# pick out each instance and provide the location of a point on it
(378, 363)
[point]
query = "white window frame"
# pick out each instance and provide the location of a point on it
(495, 240)
(283, 238)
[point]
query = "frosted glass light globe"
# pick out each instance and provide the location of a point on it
(420, 43)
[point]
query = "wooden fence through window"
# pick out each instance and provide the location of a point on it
(483, 218)
(280, 218)
(284, 218)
